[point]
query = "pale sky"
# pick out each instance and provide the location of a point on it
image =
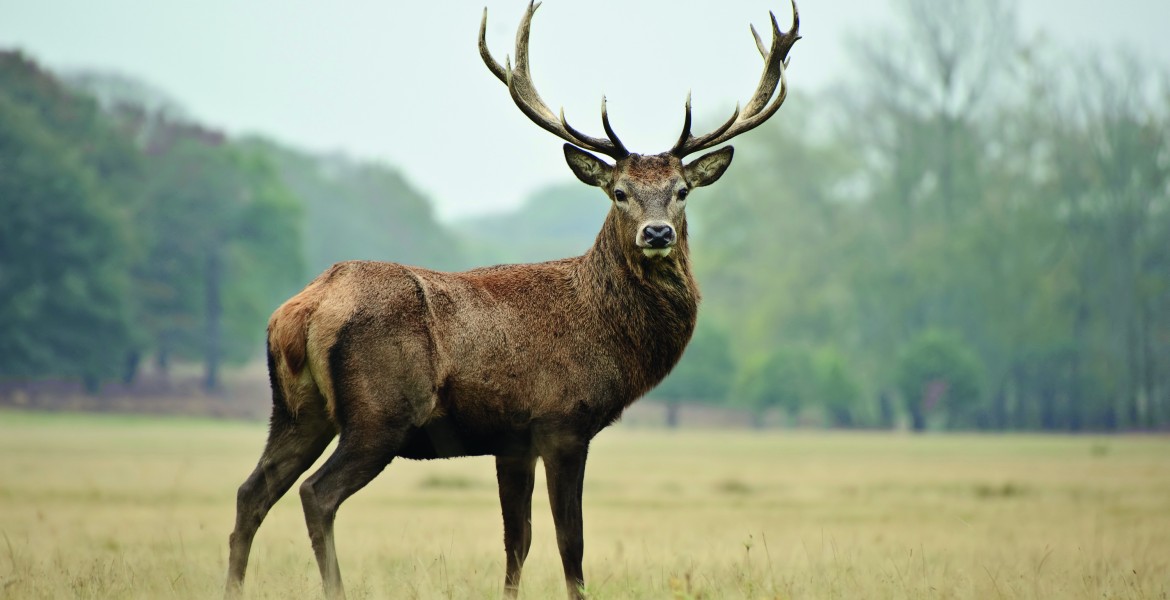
(402, 82)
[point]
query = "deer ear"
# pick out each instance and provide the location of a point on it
(708, 168)
(588, 168)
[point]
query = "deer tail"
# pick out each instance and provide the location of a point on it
(288, 351)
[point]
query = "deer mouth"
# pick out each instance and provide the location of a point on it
(657, 252)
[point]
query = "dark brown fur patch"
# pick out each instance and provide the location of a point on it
(654, 167)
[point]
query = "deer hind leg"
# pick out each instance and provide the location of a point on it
(376, 407)
(360, 456)
(382, 385)
(293, 444)
(515, 475)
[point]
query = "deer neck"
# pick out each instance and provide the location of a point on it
(648, 305)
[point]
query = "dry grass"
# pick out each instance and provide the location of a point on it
(100, 507)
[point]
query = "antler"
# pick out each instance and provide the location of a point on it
(523, 91)
(757, 110)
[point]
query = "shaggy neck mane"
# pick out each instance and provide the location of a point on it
(648, 306)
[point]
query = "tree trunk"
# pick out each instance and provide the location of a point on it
(999, 408)
(92, 384)
(842, 418)
(1025, 399)
(1109, 414)
(917, 417)
(672, 414)
(162, 362)
(130, 368)
(1047, 407)
(886, 410)
(213, 307)
(1148, 384)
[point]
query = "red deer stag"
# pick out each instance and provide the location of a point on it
(516, 361)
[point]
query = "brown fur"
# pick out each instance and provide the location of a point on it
(517, 361)
(288, 332)
(599, 329)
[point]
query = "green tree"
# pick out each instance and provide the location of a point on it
(703, 374)
(783, 379)
(835, 389)
(64, 256)
(937, 372)
(1104, 130)
(225, 246)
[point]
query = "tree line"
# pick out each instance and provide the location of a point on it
(970, 231)
(132, 232)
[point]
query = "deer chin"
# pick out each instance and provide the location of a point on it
(656, 252)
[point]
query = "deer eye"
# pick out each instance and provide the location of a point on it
(619, 195)
(682, 194)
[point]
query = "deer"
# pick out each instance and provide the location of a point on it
(519, 362)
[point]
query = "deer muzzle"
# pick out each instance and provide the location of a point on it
(656, 239)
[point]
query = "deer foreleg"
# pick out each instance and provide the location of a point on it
(515, 475)
(565, 469)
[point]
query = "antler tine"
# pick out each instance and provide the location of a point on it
(486, 54)
(759, 42)
(524, 94)
(617, 143)
(686, 136)
(686, 131)
(520, 80)
(583, 139)
(758, 108)
(771, 75)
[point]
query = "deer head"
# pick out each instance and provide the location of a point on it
(649, 192)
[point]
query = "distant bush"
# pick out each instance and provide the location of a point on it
(781, 380)
(939, 373)
(793, 379)
(835, 389)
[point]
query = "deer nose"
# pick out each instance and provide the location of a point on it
(658, 236)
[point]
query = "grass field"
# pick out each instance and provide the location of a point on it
(121, 507)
